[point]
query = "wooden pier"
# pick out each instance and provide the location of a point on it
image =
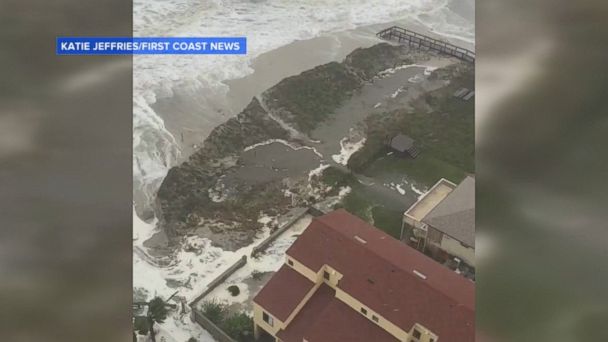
(401, 35)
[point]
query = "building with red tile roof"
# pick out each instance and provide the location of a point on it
(345, 280)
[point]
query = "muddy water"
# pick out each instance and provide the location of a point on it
(395, 91)
(273, 161)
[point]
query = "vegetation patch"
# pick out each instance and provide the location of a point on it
(157, 313)
(359, 203)
(336, 177)
(442, 126)
(183, 197)
(239, 326)
(388, 220)
(257, 275)
(426, 169)
(234, 290)
(184, 203)
(355, 202)
(312, 96)
(368, 62)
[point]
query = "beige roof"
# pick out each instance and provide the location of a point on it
(431, 199)
(455, 215)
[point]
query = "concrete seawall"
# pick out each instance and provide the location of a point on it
(269, 240)
(220, 279)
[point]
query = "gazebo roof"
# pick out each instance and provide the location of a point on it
(402, 143)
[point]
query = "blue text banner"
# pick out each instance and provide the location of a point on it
(151, 45)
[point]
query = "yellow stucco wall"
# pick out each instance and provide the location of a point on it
(426, 334)
(334, 279)
(278, 325)
(258, 319)
(303, 270)
(385, 324)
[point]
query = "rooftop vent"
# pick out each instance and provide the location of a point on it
(360, 239)
(419, 274)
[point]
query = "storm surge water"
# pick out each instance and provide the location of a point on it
(178, 100)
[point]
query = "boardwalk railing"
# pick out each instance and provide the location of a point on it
(416, 39)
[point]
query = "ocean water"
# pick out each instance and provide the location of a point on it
(197, 84)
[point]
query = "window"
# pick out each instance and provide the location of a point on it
(290, 262)
(416, 334)
(326, 275)
(375, 318)
(267, 318)
(363, 311)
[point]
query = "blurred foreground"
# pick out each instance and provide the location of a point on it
(65, 175)
(542, 129)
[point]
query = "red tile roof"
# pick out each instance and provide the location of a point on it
(380, 273)
(325, 318)
(283, 292)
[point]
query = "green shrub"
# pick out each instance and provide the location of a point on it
(234, 290)
(214, 311)
(334, 176)
(141, 325)
(388, 220)
(256, 275)
(239, 326)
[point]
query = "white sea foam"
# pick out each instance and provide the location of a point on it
(416, 78)
(347, 149)
(428, 69)
(317, 171)
(418, 191)
(399, 90)
(397, 187)
(269, 261)
(286, 143)
(197, 262)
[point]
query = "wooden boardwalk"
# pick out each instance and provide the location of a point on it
(401, 35)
